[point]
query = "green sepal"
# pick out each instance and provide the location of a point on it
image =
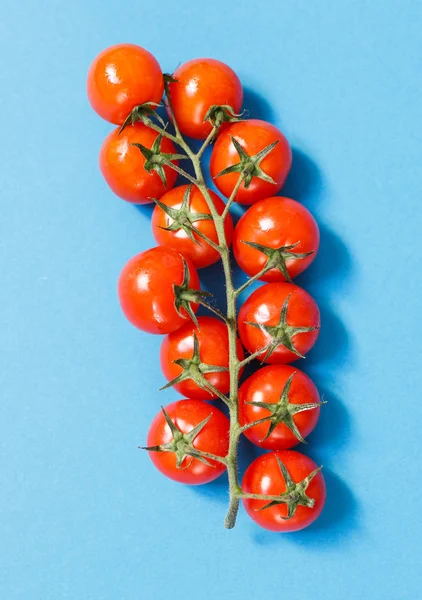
(183, 218)
(181, 444)
(295, 494)
(168, 78)
(141, 113)
(281, 334)
(283, 411)
(277, 257)
(193, 368)
(184, 295)
(155, 159)
(217, 114)
(249, 166)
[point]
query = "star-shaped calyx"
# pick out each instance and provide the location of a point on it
(283, 411)
(183, 218)
(295, 494)
(182, 443)
(217, 114)
(141, 113)
(194, 368)
(155, 159)
(277, 257)
(184, 295)
(281, 334)
(249, 166)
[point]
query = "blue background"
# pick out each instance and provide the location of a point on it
(83, 513)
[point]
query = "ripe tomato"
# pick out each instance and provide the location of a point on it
(287, 473)
(122, 77)
(178, 435)
(267, 167)
(276, 231)
(288, 396)
(201, 83)
(282, 317)
(198, 351)
(149, 287)
(122, 164)
(171, 224)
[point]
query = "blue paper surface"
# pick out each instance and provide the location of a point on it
(84, 515)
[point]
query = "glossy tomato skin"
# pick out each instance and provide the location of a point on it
(200, 253)
(264, 305)
(201, 83)
(213, 438)
(266, 385)
(145, 290)
(214, 350)
(263, 476)
(253, 135)
(120, 78)
(122, 165)
(275, 222)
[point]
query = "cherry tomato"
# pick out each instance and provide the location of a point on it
(266, 175)
(149, 286)
(180, 433)
(202, 83)
(276, 231)
(282, 318)
(171, 224)
(120, 78)
(305, 502)
(122, 164)
(211, 349)
(288, 396)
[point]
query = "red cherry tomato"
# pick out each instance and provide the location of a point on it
(253, 136)
(183, 203)
(264, 476)
(212, 350)
(122, 164)
(120, 78)
(212, 437)
(147, 289)
(201, 83)
(282, 317)
(276, 223)
(288, 396)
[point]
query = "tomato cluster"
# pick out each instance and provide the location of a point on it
(160, 291)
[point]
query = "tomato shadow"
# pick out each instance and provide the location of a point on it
(337, 524)
(256, 106)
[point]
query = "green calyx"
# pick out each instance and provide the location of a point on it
(217, 114)
(295, 494)
(193, 368)
(182, 443)
(155, 159)
(249, 166)
(142, 113)
(281, 334)
(278, 257)
(283, 411)
(184, 295)
(183, 218)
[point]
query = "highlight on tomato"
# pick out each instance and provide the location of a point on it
(122, 77)
(295, 484)
(184, 437)
(197, 86)
(276, 236)
(195, 359)
(258, 151)
(282, 320)
(133, 163)
(182, 220)
(159, 290)
(284, 403)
